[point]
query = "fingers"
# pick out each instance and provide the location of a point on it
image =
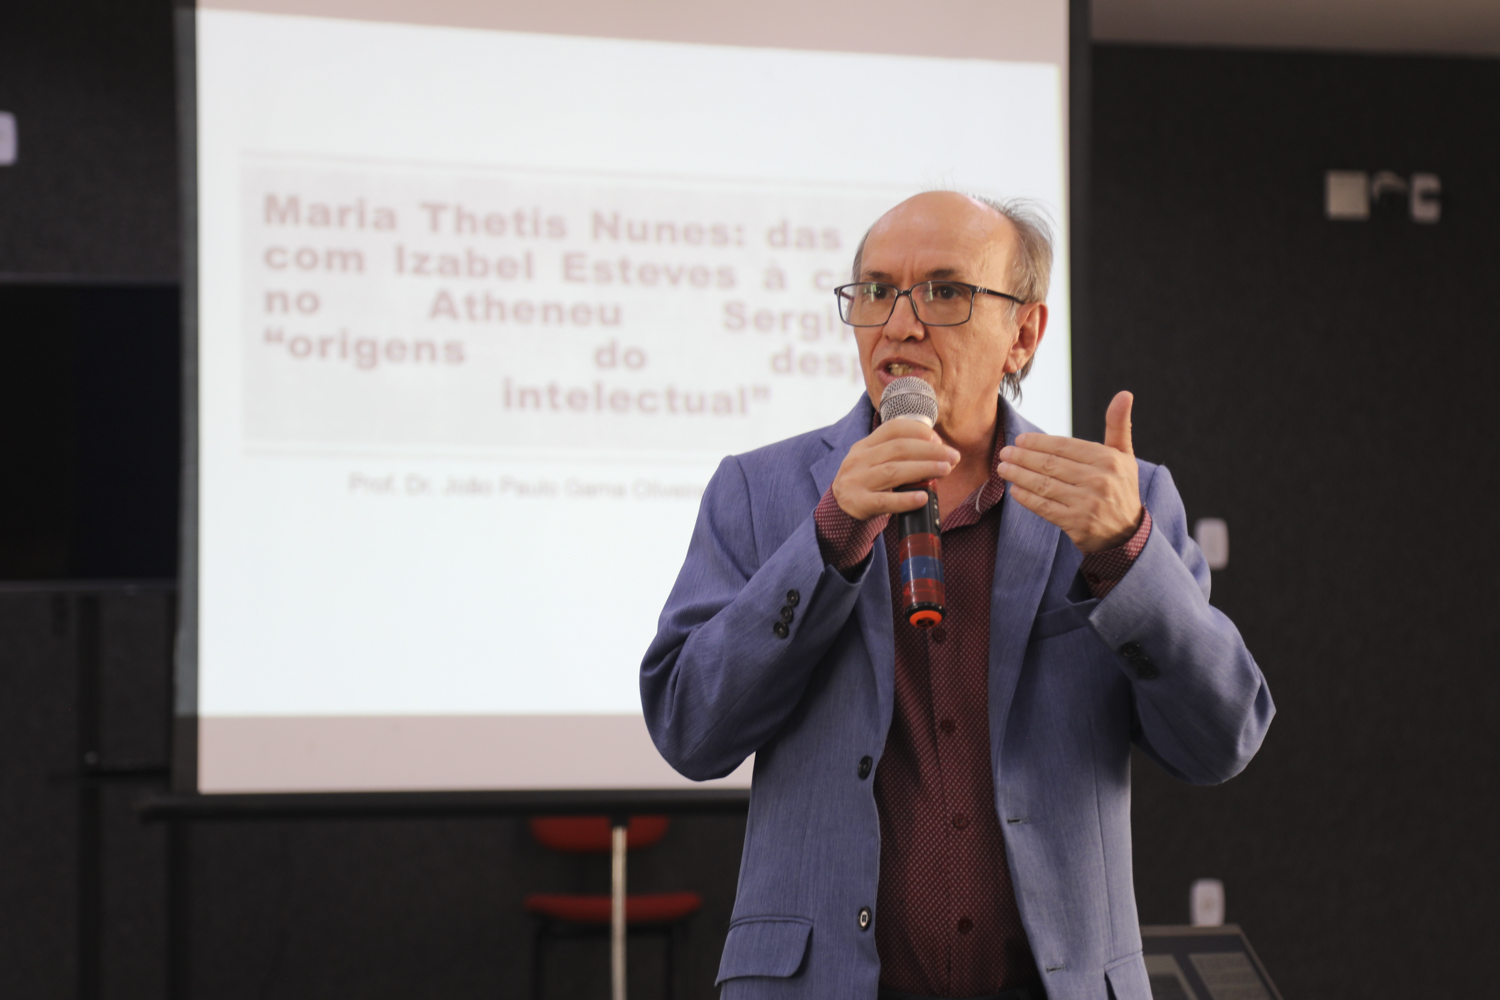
(1047, 510)
(1047, 464)
(1083, 452)
(889, 475)
(862, 503)
(1117, 423)
(1090, 529)
(903, 428)
(1040, 484)
(1097, 505)
(1116, 437)
(894, 503)
(899, 460)
(898, 453)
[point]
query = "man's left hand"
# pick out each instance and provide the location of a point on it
(1091, 491)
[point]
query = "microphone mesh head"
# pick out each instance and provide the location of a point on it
(911, 397)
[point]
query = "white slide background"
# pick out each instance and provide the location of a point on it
(481, 311)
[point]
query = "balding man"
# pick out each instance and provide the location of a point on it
(945, 812)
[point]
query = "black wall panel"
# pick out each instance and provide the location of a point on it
(1328, 388)
(93, 194)
(38, 838)
(402, 908)
(90, 400)
(83, 678)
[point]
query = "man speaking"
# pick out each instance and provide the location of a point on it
(945, 811)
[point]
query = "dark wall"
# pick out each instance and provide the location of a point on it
(433, 908)
(93, 193)
(89, 262)
(1320, 385)
(287, 909)
(84, 693)
(90, 406)
(1328, 389)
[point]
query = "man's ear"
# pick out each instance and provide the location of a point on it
(1031, 327)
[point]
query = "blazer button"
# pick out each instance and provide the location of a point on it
(1131, 649)
(865, 763)
(864, 918)
(793, 598)
(781, 630)
(787, 614)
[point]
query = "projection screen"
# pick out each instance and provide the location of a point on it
(483, 292)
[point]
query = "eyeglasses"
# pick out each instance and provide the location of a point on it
(936, 303)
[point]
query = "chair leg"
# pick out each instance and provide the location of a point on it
(668, 975)
(538, 939)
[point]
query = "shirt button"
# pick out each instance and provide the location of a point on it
(865, 763)
(864, 918)
(793, 598)
(1131, 649)
(947, 725)
(787, 614)
(939, 634)
(781, 630)
(965, 925)
(960, 822)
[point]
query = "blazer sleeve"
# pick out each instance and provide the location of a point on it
(1202, 706)
(720, 678)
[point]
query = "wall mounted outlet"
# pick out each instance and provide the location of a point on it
(1212, 536)
(1206, 902)
(8, 143)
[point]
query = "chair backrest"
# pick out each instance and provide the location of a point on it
(592, 835)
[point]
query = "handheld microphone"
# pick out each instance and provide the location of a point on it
(921, 548)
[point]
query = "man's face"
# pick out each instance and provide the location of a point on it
(942, 235)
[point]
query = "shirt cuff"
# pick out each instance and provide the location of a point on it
(844, 541)
(1102, 570)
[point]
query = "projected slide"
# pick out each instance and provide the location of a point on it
(480, 311)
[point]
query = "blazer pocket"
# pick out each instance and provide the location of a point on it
(1063, 619)
(764, 946)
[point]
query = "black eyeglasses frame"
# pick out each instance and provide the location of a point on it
(974, 291)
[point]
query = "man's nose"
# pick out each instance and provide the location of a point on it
(903, 324)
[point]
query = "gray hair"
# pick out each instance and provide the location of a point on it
(1030, 273)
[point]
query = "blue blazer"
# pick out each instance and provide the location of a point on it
(1065, 704)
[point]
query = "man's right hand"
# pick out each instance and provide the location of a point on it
(899, 452)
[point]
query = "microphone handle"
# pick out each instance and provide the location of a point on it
(921, 554)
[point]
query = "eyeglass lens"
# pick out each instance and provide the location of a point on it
(939, 303)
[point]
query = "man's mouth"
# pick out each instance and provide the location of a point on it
(898, 369)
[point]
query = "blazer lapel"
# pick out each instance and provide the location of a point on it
(1023, 562)
(872, 611)
(839, 438)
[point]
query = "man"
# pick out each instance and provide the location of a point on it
(945, 812)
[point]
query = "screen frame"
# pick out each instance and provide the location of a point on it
(184, 728)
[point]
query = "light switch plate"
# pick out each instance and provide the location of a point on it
(7, 138)
(1347, 194)
(1212, 536)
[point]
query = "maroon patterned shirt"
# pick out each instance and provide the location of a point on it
(947, 924)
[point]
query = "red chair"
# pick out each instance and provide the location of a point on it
(569, 915)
